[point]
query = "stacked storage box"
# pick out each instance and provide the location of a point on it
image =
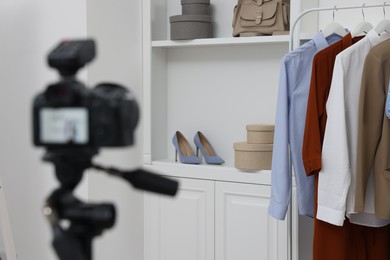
(194, 23)
(256, 153)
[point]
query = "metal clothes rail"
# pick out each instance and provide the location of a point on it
(292, 38)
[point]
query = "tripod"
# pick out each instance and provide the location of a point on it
(74, 222)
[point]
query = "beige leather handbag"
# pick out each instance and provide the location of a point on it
(261, 17)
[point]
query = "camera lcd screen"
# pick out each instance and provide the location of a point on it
(64, 126)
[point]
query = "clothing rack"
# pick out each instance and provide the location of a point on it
(292, 241)
(319, 9)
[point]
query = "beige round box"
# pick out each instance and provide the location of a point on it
(260, 134)
(252, 157)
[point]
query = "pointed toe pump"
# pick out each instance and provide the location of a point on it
(184, 150)
(206, 149)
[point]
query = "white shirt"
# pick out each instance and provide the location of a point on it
(337, 179)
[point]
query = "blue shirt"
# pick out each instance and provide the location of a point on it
(294, 85)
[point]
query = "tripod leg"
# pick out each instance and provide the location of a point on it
(68, 247)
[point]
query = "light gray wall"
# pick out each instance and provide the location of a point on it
(350, 18)
(28, 29)
(116, 26)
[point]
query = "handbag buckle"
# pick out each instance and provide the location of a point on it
(259, 17)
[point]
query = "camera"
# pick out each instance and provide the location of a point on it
(72, 122)
(68, 114)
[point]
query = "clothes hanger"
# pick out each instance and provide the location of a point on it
(384, 25)
(363, 27)
(334, 28)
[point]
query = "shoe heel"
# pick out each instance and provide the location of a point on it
(184, 150)
(206, 149)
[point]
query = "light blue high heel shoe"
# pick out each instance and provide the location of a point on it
(183, 148)
(207, 151)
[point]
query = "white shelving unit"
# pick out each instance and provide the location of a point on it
(222, 41)
(217, 86)
(209, 172)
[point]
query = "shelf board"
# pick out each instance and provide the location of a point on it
(222, 41)
(209, 172)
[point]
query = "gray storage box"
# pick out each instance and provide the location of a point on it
(187, 27)
(197, 7)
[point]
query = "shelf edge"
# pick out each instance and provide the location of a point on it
(209, 172)
(222, 41)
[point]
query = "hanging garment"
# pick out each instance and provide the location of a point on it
(330, 241)
(368, 243)
(337, 178)
(350, 242)
(316, 111)
(294, 85)
(373, 149)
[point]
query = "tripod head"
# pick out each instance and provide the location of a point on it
(86, 220)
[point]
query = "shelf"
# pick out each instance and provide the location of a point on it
(209, 172)
(222, 41)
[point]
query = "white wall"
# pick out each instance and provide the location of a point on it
(28, 29)
(350, 18)
(116, 25)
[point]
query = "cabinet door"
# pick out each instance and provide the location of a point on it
(182, 227)
(244, 230)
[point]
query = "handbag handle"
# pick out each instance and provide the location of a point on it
(260, 2)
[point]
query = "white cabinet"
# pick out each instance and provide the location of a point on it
(216, 86)
(181, 227)
(214, 220)
(243, 228)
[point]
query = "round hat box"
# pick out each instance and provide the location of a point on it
(198, 7)
(187, 27)
(252, 157)
(260, 134)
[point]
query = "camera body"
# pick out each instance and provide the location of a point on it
(68, 114)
